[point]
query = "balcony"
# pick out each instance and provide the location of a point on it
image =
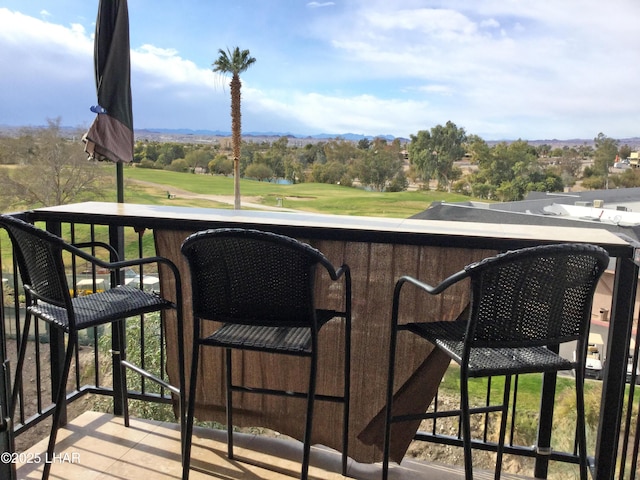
(98, 446)
(378, 250)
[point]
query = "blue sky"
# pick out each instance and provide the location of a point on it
(501, 69)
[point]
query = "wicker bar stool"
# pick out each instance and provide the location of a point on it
(40, 257)
(260, 285)
(524, 304)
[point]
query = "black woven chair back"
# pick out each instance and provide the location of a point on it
(252, 277)
(534, 296)
(39, 256)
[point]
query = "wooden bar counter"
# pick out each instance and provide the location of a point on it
(378, 251)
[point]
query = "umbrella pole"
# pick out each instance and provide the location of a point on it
(119, 182)
(119, 230)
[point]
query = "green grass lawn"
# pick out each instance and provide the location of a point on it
(528, 404)
(310, 197)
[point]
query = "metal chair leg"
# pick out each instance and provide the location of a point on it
(61, 395)
(121, 356)
(20, 364)
(388, 413)
(306, 456)
(466, 426)
(346, 399)
(229, 404)
(191, 405)
(182, 396)
(503, 426)
(580, 423)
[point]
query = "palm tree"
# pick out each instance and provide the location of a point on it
(234, 62)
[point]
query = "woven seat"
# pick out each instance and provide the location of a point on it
(39, 256)
(261, 287)
(524, 304)
(102, 307)
(487, 361)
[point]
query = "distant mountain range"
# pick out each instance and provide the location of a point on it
(633, 142)
(190, 135)
(354, 137)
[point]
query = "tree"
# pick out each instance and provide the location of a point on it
(50, 170)
(364, 144)
(399, 183)
(221, 164)
(478, 149)
(259, 171)
(275, 157)
(434, 152)
(508, 171)
(604, 155)
(380, 164)
(341, 151)
(585, 151)
(571, 163)
(178, 165)
(293, 169)
(199, 158)
(152, 151)
(16, 150)
(629, 178)
(168, 152)
(331, 172)
(625, 151)
(235, 62)
(543, 150)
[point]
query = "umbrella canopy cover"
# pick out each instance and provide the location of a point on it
(111, 133)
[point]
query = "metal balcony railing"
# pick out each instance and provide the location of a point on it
(615, 443)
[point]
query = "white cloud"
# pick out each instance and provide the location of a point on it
(320, 4)
(317, 113)
(503, 59)
(437, 22)
(490, 23)
(169, 67)
(52, 75)
(495, 67)
(50, 70)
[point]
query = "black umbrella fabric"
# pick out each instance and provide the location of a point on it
(110, 136)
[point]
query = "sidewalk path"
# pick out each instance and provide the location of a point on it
(246, 202)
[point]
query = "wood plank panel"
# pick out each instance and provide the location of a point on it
(374, 268)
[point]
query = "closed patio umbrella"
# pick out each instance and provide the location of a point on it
(110, 136)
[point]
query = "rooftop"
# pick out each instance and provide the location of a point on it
(615, 210)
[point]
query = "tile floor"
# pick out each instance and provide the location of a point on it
(98, 446)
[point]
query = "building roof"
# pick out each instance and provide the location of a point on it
(615, 210)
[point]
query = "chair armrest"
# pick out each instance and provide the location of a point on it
(343, 270)
(116, 263)
(76, 249)
(145, 261)
(112, 251)
(433, 290)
